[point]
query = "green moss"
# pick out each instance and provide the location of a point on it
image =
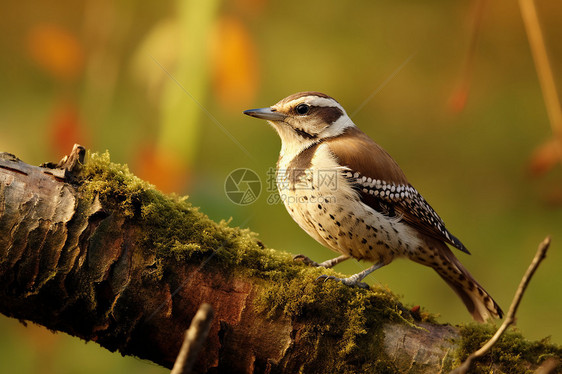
(511, 354)
(171, 226)
(332, 313)
(335, 314)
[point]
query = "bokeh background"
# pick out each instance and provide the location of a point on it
(450, 89)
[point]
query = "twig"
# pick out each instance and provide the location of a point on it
(195, 337)
(510, 318)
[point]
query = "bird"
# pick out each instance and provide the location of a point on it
(350, 195)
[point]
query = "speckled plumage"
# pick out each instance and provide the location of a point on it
(346, 192)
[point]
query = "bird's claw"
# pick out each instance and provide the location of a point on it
(347, 281)
(305, 260)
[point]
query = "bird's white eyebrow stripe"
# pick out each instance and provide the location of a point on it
(318, 101)
(321, 101)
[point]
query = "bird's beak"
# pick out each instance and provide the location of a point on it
(265, 113)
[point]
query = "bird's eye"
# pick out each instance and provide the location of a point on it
(302, 109)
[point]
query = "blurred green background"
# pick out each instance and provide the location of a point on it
(162, 85)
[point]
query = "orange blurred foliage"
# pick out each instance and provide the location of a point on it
(56, 50)
(234, 64)
(457, 101)
(545, 156)
(166, 170)
(459, 98)
(65, 127)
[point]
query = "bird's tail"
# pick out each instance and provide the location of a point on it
(478, 302)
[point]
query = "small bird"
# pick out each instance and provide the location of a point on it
(348, 193)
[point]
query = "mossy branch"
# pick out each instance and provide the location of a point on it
(99, 254)
(510, 317)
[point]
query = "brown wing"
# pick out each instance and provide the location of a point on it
(382, 185)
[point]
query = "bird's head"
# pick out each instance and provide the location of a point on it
(303, 119)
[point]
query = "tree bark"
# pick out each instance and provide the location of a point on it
(96, 253)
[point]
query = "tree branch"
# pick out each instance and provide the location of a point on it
(95, 252)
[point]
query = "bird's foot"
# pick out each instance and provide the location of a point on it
(305, 260)
(351, 281)
(326, 264)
